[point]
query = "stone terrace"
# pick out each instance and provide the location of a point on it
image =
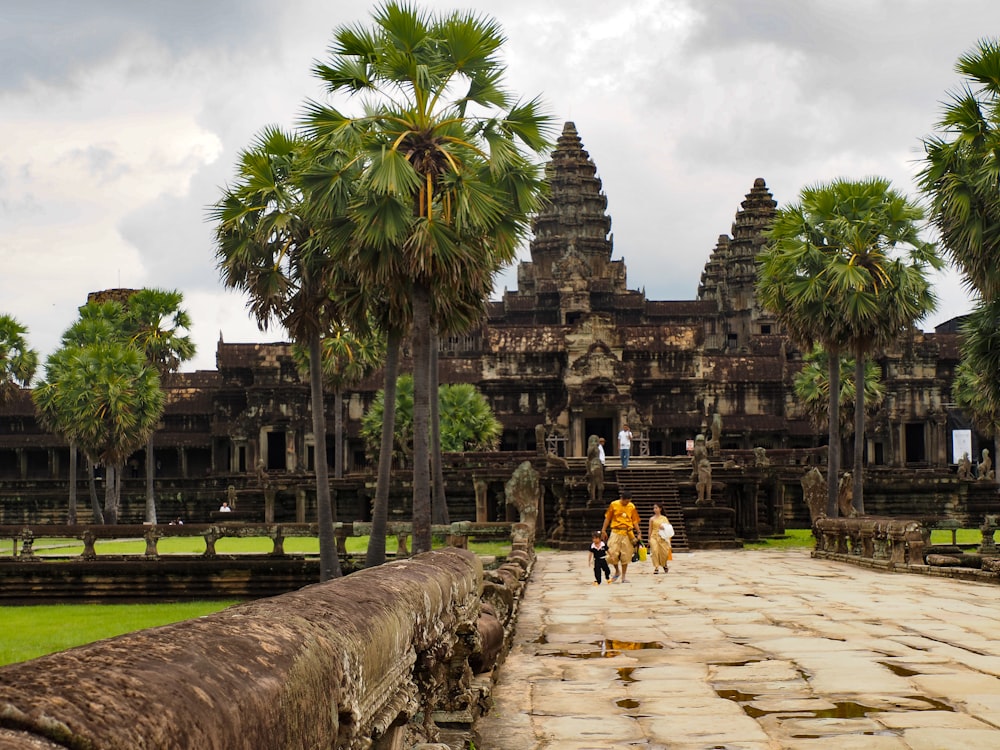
(748, 650)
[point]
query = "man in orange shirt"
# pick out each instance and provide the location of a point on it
(623, 519)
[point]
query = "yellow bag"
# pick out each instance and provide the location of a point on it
(642, 553)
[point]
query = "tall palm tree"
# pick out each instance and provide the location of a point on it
(155, 320)
(444, 153)
(959, 177)
(266, 248)
(98, 322)
(18, 361)
(845, 267)
(109, 401)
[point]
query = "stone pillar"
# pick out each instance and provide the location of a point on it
(300, 505)
(183, 459)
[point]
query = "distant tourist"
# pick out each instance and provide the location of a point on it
(624, 444)
(600, 451)
(224, 508)
(177, 521)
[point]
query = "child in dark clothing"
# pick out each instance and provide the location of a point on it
(598, 557)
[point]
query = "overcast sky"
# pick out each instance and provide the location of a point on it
(120, 121)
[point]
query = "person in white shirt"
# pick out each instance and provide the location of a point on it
(600, 451)
(624, 444)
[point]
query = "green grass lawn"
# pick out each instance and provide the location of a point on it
(30, 631)
(792, 538)
(804, 538)
(57, 547)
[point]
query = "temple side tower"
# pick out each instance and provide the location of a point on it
(730, 275)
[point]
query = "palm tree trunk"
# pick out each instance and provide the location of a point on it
(421, 416)
(110, 494)
(833, 450)
(329, 560)
(98, 515)
(439, 503)
(71, 515)
(150, 498)
(858, 478)
(338, 432)
(380, 512)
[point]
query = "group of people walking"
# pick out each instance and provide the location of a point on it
(618, 549)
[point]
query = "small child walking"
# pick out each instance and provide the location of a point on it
(598, 558)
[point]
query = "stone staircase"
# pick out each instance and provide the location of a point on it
(656, 484)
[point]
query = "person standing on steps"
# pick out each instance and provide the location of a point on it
(624, 444)
(623, 519)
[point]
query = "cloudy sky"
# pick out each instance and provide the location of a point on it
(121, 120)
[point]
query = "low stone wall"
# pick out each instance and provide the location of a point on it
(351, 663)
(899, 545)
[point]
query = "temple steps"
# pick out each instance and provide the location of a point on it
(650, 485)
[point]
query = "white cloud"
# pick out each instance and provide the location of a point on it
(122, 121)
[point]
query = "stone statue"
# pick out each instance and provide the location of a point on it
(523, 491)
(595, 472)
(964, 467)
(702, 471)
(540, 438)
(845, 496)
(714, 443)
(760, 457)
(814, 493)
(986, 465)
(231, 497)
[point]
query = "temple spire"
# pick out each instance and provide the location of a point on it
(575, 217)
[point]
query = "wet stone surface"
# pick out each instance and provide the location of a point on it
(748, 650)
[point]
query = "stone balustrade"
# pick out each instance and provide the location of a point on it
(893, 541)
(363, 661)
(24, 536)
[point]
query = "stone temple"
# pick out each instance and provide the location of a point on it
(572, 352)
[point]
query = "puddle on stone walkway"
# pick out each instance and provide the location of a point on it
(606, 649)
(840, 710)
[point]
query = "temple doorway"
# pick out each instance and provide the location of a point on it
(602, 427)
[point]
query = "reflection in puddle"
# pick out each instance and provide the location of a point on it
(898, 669)
(625, 674)
(607, 649)
(840, 710)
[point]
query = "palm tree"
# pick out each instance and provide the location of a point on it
(448, 185)
(846, 267)
(155, 320)
(99, 322)
(467, 421)
(266, 248)
(18, 361)
(108, 401)
(812, 388)
(959, 177)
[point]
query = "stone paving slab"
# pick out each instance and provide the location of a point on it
(748, 650)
